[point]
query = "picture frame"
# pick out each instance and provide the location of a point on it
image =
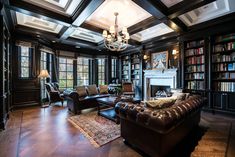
(159, 60)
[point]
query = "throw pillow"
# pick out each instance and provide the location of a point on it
(161, 103)
(103, 89)
(81, 90)
(92, 90)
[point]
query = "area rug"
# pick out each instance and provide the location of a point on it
(214, 142)
(97, 129)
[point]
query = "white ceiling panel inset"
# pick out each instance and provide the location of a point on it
(66, 7)
(87, 35)
(170, 3)
(129, 14)
(152, 32)
(208, 12)
(37, 23)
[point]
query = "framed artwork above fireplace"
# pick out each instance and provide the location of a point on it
(159, 60)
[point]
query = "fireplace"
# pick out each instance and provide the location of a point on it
(159, 89)
(158, 79)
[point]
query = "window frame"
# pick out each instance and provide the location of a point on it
(82, 65)
(101, 74)
(20, 63)
(66, 71)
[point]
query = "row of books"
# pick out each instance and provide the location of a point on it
(126, 58)
(135, 66)
(194, 43)
(224, 47)
(223, 58)
(135, 61)
(191, 52)
(226, 75)
(196, 85)
(125, 72)
(225, 37)
(195, 76)
(195, 60)
(225, 86)
(135, 76)
(135, 57)
(125, 68)
(136, 82)
(125, 62)
(195, 68)
(125, 77)
(224, 67)
(135, 72)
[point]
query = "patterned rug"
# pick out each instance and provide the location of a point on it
(214, 142)
(97, 129)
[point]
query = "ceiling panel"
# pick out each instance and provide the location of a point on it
(65, 7)
(208, 12)
(87, 35)
(129, 14)
(37, 23)
(152, 32)
(170, 3)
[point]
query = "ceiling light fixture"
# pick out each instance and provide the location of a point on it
(114, 40)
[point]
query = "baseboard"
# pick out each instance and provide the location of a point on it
(15, 107)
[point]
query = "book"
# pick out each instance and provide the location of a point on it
(230, 67)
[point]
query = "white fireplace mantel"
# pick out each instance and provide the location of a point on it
(167, 77)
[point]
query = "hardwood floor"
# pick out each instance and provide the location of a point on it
(37, 132)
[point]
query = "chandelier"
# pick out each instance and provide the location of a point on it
(114, 40)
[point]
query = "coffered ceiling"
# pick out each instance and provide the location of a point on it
(65, 7)
(129, 14)
(81, 22)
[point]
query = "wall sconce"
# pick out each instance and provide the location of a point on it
(146, 57)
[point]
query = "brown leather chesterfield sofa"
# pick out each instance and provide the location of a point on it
(157, 131)
(84, 97)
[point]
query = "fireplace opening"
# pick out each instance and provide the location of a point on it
(160, 91)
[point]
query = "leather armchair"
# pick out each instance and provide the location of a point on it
(53, 93)
(127, 89)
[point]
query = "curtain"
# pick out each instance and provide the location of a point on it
(55, 67)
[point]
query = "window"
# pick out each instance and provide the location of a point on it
(65, 73)
(114, 68)
(82, 71)
(24, 62)
(45, 63)
(101, 71)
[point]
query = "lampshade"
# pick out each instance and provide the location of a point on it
(44, 74)
(174, 52)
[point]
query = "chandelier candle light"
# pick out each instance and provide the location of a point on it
(114, 40)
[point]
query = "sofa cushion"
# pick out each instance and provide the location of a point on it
(161, 103)
(81, 90)
(103, 89)
(92, 90)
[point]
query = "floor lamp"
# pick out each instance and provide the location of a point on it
(43, 75)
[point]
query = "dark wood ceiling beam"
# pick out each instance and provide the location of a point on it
(151, 7)
(159, 11)
(91, 27)
(33, 10)
(186, 6)
(82, 14)
(145, 24)
(66, 33)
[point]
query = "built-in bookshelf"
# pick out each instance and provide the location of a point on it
(125, 68)
(194, 59)
(223, 63)
(131, 71)
(135, 69)
(5, 77)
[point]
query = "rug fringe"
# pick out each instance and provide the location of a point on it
(95, 144)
